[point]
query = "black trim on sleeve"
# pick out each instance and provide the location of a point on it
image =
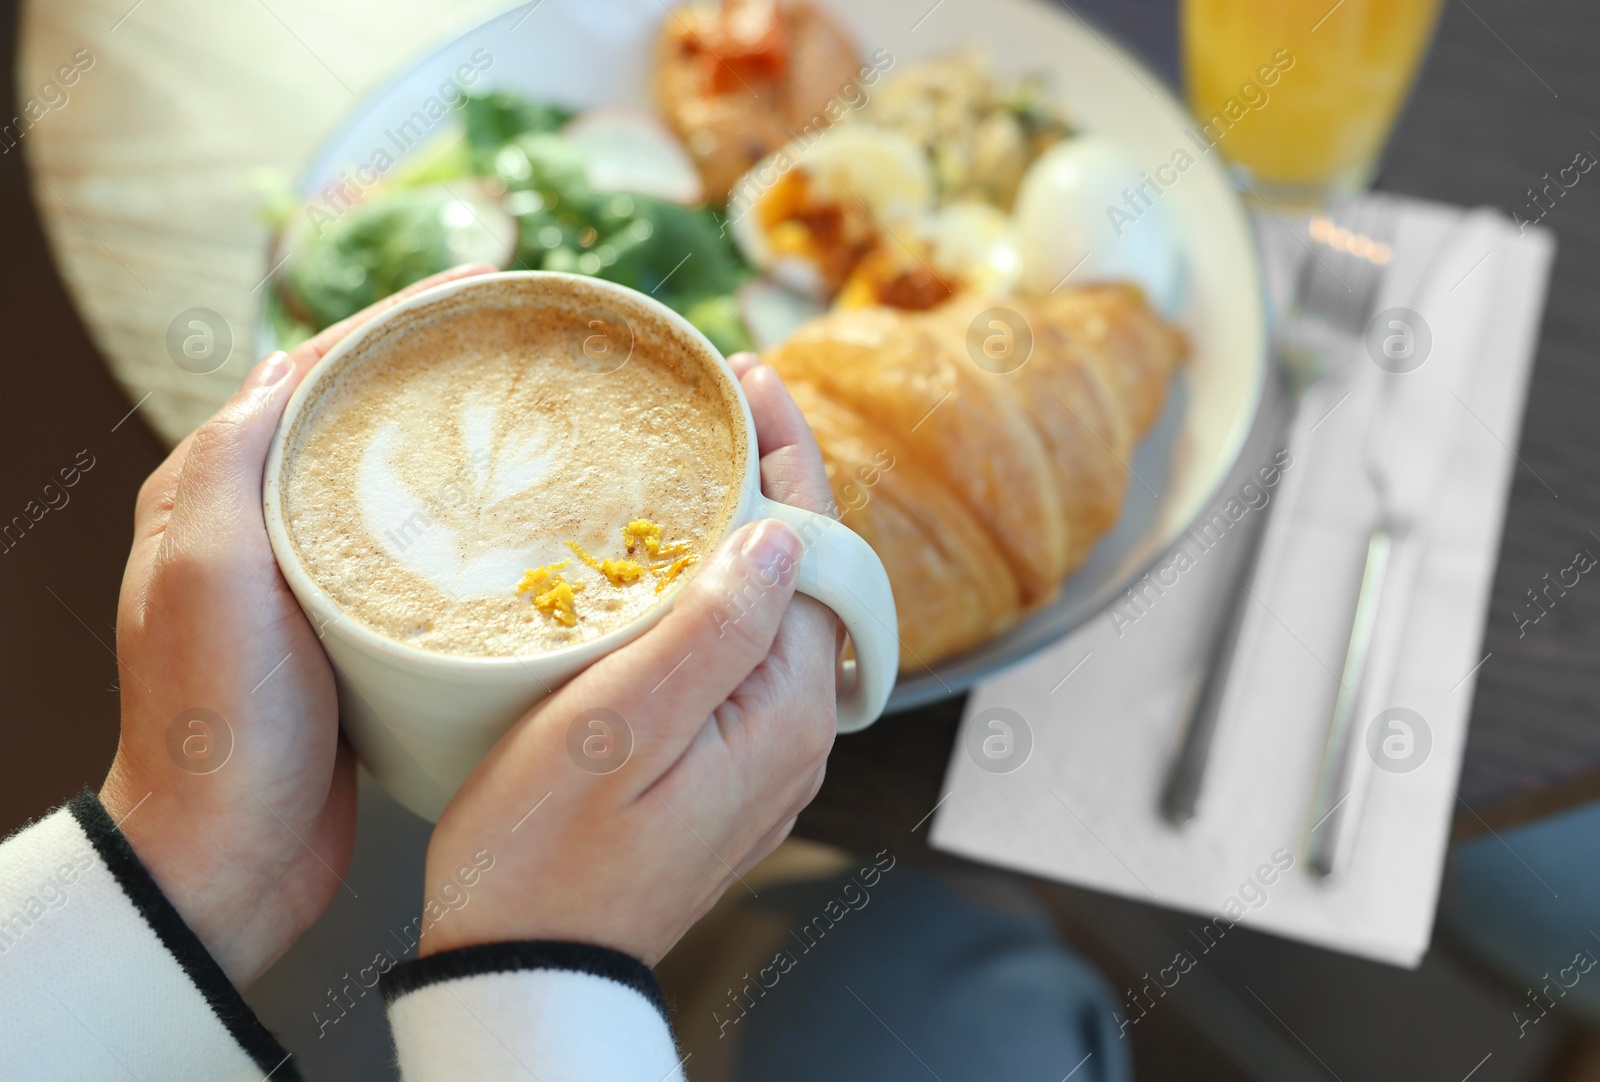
(158, 912)
(477, 960)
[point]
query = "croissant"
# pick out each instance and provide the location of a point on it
(981, 491)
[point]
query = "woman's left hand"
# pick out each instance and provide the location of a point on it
(230, 780)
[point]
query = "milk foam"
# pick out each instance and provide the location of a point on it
(437, 471)
(435, 546)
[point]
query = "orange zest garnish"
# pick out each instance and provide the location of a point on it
(667, 561)
(552, 593)
(643, 532)
(616, 572)
(666, 572)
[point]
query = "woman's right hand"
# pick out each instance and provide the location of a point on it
(729, 702)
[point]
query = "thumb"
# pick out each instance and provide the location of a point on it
(675, 675)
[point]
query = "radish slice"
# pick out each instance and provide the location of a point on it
(627, 150)
(772, 313)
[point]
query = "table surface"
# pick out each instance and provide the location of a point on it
(143, 184)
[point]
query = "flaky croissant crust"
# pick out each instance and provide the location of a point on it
(980, 490)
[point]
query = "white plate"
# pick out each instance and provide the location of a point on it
(594, 52)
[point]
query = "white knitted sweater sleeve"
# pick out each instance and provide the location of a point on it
(101, 979)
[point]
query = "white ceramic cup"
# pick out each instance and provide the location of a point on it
(420, 720)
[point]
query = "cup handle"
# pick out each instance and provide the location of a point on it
(840, 570)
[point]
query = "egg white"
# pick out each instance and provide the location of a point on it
(1085, 213)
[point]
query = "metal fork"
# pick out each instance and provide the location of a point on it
(1333, 301)
(1406, 452)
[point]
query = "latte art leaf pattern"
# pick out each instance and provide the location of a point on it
(435, 499)
(507, 463)
(461, 447)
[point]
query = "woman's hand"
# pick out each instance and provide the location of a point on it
(230, 779)
(728, 704)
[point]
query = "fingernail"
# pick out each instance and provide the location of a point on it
(774, 549)
(743, 364)
(269, 372)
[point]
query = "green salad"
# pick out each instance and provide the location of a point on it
(505, 182)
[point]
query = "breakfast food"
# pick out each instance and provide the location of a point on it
(1084, 212)
(522, 185)
(906, 200)
(870, 224)
(987, 487)
(810, 216)
(463, 484)
(980, 135)
(736, 79)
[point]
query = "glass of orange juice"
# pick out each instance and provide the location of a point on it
(1299, 95)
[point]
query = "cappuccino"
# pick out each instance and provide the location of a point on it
(512, 469)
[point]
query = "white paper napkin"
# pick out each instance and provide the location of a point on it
(1103, 709)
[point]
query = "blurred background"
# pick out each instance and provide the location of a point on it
(1504, 99)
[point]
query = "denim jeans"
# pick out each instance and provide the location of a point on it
(924, 981)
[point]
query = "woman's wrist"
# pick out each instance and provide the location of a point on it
(227, 910)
